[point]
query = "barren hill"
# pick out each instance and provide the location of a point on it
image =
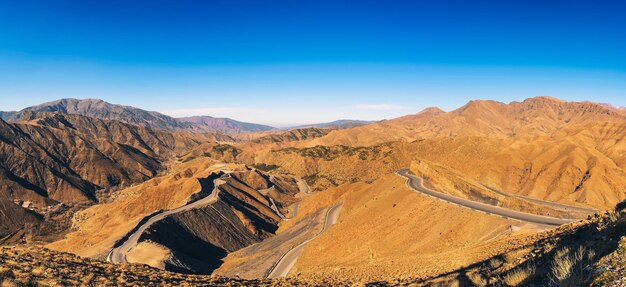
(538, 115)
(338, 124)
(223, 125)
(14, 217)
(299, 134)
(61, 157)
(100, 109)
(542, 157)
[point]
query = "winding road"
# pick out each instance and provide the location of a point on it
(415, 183)
(118, 254)
(284, 265)
(544, 202)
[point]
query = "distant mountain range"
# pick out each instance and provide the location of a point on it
(100, 109)
(224, 125)
(339, 124)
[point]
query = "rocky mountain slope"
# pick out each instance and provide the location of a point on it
(100, 109)
(293, 135)
(60, 157)
(534, 116)
(223, 125)
(541, 149)
(338, 124)
(585, 253)
(14, 217)
(558, 151)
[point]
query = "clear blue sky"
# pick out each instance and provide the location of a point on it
(291, 62)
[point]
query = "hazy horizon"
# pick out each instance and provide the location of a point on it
(216, 112)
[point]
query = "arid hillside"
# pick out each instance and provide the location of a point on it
(588, 252)
(95, 230)
(207, 204)
(66, 158)
(53, 158)
(223, 125)
(533, 116)
(239, 207)
(294, 135)
(14, 218)
(542, 147)
(582, 164)
(100, 109)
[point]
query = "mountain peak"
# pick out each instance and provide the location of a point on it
(546, 99)
(431, 111)
(100, 109)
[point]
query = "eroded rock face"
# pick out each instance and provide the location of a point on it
(100, 109)
(18, 219)
(48, 158)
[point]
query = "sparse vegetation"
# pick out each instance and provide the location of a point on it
(519, 276)
(319, 181)
(573, 268)
(265, 167)
(478, 279)
(332, 152)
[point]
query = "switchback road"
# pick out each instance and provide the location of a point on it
(415, 183)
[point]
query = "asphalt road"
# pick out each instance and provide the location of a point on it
(556, 205)
(118, 254)
(284, 265)
(415, 183)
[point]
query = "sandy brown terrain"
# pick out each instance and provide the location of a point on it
(149, 253)
(96, 229)
(378, 235)
(541, 156)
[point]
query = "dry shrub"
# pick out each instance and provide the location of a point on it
(478, 279)
(495, 263)
(447, 283)
(572, 268)
(9, 283)
(519, 276)
(613, 216)
(6, 273)
(38, 271)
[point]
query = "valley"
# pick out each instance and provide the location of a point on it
(422, 199)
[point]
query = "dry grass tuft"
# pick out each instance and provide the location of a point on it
(519, 276)
(478, 279)
(9, 283)
(572, 268)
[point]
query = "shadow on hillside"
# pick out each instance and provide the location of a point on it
(600, 237)
(197, 255)
(206, 187)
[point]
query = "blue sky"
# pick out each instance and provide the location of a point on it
(293, 62)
